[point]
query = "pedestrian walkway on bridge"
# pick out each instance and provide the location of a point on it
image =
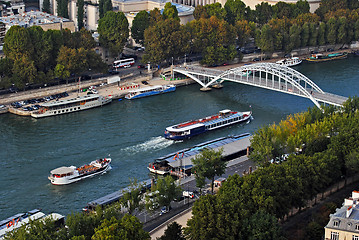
(264, 75)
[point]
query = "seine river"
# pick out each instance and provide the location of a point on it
(132, 132)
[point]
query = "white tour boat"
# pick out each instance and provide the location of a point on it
(67, 175)
(289, 62)
(71, 105)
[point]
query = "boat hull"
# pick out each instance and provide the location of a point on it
(147, 94)
(76, 108)
(200, 130)
(77, 176)
(329, 58)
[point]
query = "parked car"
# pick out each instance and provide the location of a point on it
(141, 66)
(164, 210)
(188, 194)
(256, 59)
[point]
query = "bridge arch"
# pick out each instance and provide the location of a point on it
(265, 75)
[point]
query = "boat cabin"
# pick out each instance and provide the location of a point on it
(62, 172)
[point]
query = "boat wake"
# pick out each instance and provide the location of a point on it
(154, 143)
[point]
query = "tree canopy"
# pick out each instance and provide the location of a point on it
(209, 164)
(113, 30)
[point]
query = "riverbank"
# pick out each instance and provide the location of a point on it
(116, 90)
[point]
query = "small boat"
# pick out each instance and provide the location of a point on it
(289, 62)
(3, 109)
(149, 91)
(67, 175)
(192, 128)
(323, 58)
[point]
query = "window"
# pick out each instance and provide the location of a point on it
(334, 236)
(336, 223)
(355, 237)
(357, 227)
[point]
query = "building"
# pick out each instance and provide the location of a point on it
(36, 18)
(314, 4)
(344, 223)
(12, 7)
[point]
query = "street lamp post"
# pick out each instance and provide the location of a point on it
(185, 60)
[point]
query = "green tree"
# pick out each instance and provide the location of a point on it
(170, 11)
(282, 9)
(17, 43)
(215, 9)
(322, 34)
(155, 16)
(301, 7)
(245, 30)
(113, 30)
(332, 32)
(326, 6)
(263, 13)
(167, 191)
(200, 12)
(79, 224)
(305, 35)
(42, 48)
(24, 71)
(139, 25)
(46, 6)
(313, 33)
(80, 14)
(294, 38)
(342, 36)
(209, 164)
(173, 232)
(234, 10)
(165, 40)
(203, 223)
(266, 40)
(214, 38)
(61, 72)
(104, 7)
(127, 228)
(263, 226)
(62, 9)
(132, 197)
(356, 29)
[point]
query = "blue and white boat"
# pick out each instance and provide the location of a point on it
(192, 128)
(149, 91)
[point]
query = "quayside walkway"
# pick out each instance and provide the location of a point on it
(264, 75)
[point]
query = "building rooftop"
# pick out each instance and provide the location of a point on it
(28, 19)
(346, 218)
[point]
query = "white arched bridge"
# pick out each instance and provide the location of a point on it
(264, 75)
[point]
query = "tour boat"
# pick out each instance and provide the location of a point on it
(67, 175)
(18, 220)
(14, 222)
(289, 62)
(71, 105)
(191, 128)
(324, 58)
(149, 91)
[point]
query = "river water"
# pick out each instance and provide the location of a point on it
(132, 132)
